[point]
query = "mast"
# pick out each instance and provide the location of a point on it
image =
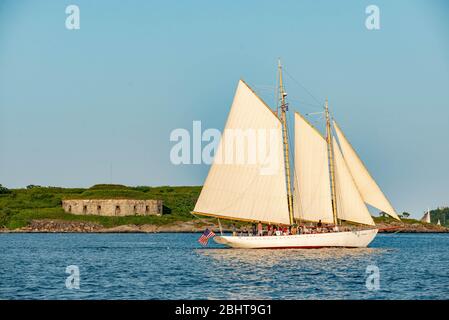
(330, 151)
(284, 108)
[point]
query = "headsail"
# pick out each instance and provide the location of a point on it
(350, 205)
(247, 190)
(312, 184)
(368, 188)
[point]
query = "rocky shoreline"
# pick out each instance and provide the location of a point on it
(399, 226)
(63, 226)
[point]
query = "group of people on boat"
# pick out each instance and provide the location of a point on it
(277, 230)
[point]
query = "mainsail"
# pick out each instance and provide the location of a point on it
(350, 205)
(368, 188)
(312, 183)
(247, 190)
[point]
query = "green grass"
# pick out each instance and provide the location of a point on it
(388, 219)
(20, 206)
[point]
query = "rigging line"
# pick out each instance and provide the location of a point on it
(314, 113)
(265, 86)
(301, 108)
(262, 89)
(305, 103)
(297, 82)
(299, 98)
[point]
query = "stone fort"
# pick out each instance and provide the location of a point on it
(113, 207)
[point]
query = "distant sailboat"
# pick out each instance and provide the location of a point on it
(330, 183)
(426, 217)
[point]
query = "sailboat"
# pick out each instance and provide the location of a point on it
(327, 184)
(426, 217)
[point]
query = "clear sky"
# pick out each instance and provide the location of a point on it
(97, 105)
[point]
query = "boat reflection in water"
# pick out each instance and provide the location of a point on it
(270, 257)
(292, 273)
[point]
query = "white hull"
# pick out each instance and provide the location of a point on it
(347, 239)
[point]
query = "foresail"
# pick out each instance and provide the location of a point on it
(368, 188)
(247, 178)
(312, 185)
(350, 205)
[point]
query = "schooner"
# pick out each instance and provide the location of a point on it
(328, 182)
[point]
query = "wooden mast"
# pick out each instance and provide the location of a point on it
(284, 109)
(330, 152)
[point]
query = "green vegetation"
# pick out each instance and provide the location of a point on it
(404, 215)
(387, 219)
(19, 206)
(441, 214)
(4, 190)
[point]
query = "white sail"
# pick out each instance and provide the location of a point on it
(426, 217)
(350, 205)
(252, 189)
(366, 185)
(312, 185)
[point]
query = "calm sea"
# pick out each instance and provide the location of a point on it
(174, 266)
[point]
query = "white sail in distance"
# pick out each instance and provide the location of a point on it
(241, 189)
(368, 188)
(350, 205)
(426, 217)
(312, 192)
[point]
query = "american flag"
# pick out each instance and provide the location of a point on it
(204, 239)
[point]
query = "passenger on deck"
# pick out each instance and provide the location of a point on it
(260, 229)
(278, 231)
(269, 230)
(318, 227)
(294, 230)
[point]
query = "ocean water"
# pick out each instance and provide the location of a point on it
(175, 266)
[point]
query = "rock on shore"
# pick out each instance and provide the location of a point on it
(56, 226)
(399, 226)
(47, 225)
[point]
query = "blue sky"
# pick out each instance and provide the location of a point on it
(75, 104)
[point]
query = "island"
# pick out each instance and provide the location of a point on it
(40, 209)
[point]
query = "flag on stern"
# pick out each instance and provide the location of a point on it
(204, 239)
